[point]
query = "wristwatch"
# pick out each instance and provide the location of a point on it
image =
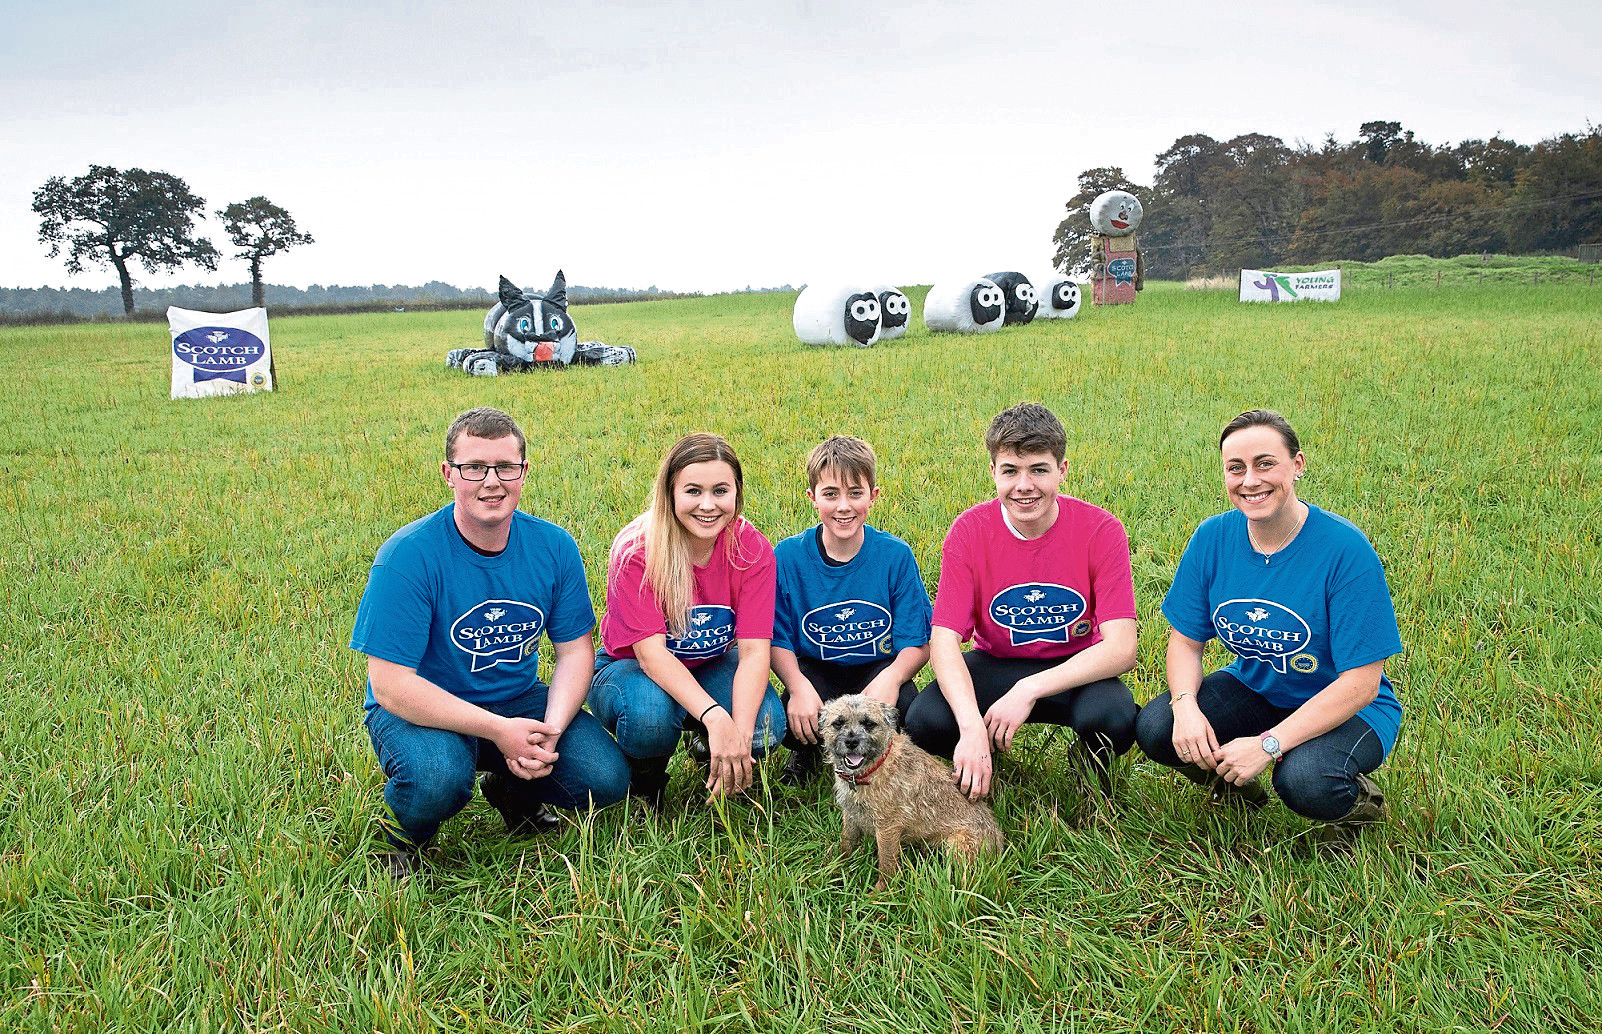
(1271, 747)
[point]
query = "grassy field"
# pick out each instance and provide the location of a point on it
(188, 802)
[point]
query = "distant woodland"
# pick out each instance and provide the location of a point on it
(47, 304)
(1216, 206)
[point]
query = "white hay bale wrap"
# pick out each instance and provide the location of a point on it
(837, 314)
(976, 306)
(1059, 297)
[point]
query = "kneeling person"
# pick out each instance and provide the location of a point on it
(455, 605)
(851, 614)
(1041, 583)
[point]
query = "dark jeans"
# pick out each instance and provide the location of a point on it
(648, 722)
(432, 771)
(837, 680)
(1317, 780)
(1102, 712)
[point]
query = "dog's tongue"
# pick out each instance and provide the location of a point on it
(854, 760)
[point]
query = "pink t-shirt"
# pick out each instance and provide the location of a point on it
(733, 600)
(1044, 597)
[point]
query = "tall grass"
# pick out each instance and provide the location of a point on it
(187, 801)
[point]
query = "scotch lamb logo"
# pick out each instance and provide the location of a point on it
(1039, 612)
(1262, 630)
(846, 629)
(710, 632)
(498, 632)
(216, 353)
(217, 337)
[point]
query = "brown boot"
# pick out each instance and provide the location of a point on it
(1369, 807)
(1223, 792)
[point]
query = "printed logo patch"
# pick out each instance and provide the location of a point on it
(218, 353)
(498, 632)
(710, 633)
(1039, 612)
(854, 628)
(1261, 630)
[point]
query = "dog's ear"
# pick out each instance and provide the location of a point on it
(892, 716)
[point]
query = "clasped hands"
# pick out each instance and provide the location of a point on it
(528, 745)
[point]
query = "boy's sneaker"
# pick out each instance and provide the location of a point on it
(521, 820)
(803, 766)
(700, 752)
(1252, 795)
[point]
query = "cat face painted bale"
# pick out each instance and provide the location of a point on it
(1059, 297)
(895, 312)
(1020, 294)
(531, 328)
(1115, 213)
(834, 314)
(965, 307)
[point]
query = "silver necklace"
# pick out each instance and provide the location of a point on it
(1266, 554)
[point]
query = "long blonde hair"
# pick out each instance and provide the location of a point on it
(669, 568)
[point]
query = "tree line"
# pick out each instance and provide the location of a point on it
(1254, 202)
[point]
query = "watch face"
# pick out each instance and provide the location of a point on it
(1271, 744)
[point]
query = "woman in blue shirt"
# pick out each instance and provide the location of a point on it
(1298, 595)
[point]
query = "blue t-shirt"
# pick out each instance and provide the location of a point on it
(1320, 608)
(471, 623)
(868, 609)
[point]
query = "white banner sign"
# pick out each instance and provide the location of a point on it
(1258, 285)
(219, 353)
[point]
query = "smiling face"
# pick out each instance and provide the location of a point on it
(484, 508)
(1027, 487)
(1115, 213)
(842, 510)
(704, 502)
(1260, 473)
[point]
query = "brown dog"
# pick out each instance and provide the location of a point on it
(889, 787)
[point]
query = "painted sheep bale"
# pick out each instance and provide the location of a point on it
(528, 330)
(965, 307)
(1059, 297)
(1022, 300)
(834, 314)
(895, 312)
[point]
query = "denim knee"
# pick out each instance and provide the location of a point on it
(1154, 731)
(1314, 785)
(646, 721)
(427, 787)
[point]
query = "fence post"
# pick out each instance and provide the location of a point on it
(1537, 275)
(1437, 278)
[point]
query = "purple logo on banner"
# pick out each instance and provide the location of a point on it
(218, 353)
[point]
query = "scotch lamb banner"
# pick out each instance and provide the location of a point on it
(219, 353)
(1257, 285)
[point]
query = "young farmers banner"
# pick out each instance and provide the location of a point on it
(1258, 285)
(219, 353)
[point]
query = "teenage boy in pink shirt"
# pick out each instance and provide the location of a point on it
(1040, 582)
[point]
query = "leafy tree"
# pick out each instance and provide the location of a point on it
(112, 217)
(260, 228)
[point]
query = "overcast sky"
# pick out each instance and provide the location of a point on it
(709, 146)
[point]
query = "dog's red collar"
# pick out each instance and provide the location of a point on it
(861, 778)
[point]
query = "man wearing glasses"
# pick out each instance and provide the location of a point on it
(455, 605)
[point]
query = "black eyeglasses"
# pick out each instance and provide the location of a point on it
(480, 471)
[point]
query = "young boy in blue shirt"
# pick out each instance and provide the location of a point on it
(851, 613)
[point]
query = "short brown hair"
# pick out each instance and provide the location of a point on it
(484, 422)
(1026, 428)
(846, 455)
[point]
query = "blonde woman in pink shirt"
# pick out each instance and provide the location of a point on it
(689, 618)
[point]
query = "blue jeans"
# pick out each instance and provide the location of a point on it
(647, 722)
(1317, 780)
(432, 771)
